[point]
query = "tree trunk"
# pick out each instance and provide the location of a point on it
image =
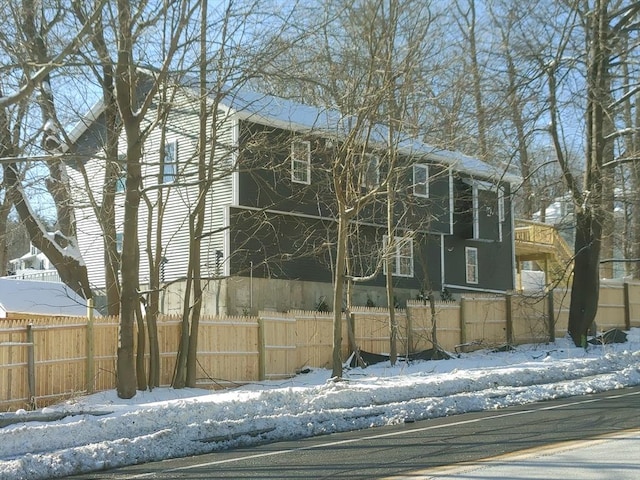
(586, 281)
(589, 216)
(152, 313)
(5, 209)
(481, 115)
(129, 298)
(140, 350)
(196, 307)
(106, 212)
(338, 288)
(390, 260)
(521, 137)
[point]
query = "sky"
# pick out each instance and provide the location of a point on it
(101, 431)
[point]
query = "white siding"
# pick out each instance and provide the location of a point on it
(180, 197)
(89, 233)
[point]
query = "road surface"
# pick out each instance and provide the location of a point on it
(454, 447)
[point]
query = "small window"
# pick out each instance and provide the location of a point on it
(421, 180)
(501, 216)
(370, 171)
(402, 256)
(301, 162)
(170, 162)
(121, 181)
(471, 261)
(119, 236)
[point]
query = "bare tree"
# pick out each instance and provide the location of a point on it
(132, 110)
(31, 51)
(602, 23)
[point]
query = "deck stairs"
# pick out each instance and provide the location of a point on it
(542, 244)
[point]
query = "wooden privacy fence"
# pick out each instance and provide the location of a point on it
(46, 360)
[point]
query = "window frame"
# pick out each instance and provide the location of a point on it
(501, 211)
(366, 172)
(170, 177)
(119, 239)
(121, 180)
(501, 205)
(471, 265)
(398, 244)
(296, 163)
(475, 208)
(424, 184)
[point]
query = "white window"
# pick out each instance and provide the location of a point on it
(471, 261)
(170, 163)
(119, 237)
(421, 180)
(121, 181)
(301, 162)
(370, 171)
(501, 214)
(476, 212)
(401, 256)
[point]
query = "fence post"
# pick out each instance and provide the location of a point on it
(463, 329)
(90, 345)
(31, 367)
(627, 307)
(509, 313)
(551, 316)
(262, 351)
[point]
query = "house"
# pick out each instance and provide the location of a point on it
(33, 265)
(30, 299)
(269, 234)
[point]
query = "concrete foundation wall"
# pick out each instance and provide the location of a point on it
(247, 296)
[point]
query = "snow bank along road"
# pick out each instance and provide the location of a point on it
(168, 423)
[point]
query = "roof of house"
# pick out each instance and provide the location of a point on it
(40, 298)
(290, 115)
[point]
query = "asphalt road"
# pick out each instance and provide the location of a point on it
(404, 450)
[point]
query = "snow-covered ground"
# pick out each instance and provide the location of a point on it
(102, 431)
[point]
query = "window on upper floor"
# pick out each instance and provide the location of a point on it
(301, 162)
(501, 213)
(476, 212)
(370, 175)
(471, 262)
(421, 180)
(481, 210)
(170, 162)
(401, 256)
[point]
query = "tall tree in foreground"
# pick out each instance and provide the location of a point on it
(603, 22)
(132, 110)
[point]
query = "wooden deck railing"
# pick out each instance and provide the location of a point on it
(528, 231)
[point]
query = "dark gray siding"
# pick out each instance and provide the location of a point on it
(282, 246)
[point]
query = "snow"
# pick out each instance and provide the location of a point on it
(102, 431)
(40, 298)
(291, 115)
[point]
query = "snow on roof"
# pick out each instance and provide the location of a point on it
(40, 298)
(290, 115)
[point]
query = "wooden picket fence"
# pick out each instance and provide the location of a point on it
(46, 360)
